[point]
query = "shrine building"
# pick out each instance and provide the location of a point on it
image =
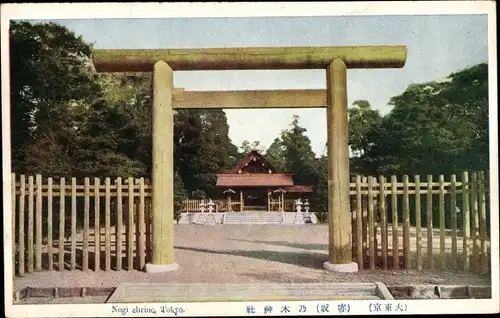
(254, 184)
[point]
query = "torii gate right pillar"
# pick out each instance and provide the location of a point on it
(339, 215)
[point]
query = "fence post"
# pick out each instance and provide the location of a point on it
(482, 227)
(97, 225)
(119, 225)
(395, 225)
(359, 224)
(371, 224)
(13, 221)
(406, 223)
(107, 223)
(38, 215)
(73, 224)
(30, 224)
(21, 235)
(49, 224)
(62, 215)
(442, 220)
(430, 260)
(364, 209)
(453, 208)
(466, 220)
(418, 222)
(474, 222)
(141, 247)
(86, 221)
(383, 220)
(130, 245)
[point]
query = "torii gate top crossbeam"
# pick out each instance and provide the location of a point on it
(249, 58)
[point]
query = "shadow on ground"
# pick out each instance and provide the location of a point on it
(288, 244)
(309, 260)
(280, 277)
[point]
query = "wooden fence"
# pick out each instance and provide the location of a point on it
(388, 222)
(54, 223)
(40, 243)
(193, 205)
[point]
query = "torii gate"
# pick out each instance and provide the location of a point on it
(336, 61)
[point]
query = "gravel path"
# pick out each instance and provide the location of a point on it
(248, 254)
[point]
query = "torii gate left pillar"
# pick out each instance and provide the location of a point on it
(335, 60)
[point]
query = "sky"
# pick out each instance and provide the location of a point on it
(437, 46)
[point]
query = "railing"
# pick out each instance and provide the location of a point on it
(54, 223)
(388, 215)
(254, 208)
(48, 217)
(192, 205)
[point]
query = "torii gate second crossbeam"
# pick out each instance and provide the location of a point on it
(336, 61)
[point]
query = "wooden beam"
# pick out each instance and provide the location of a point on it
(163, 165)
(314, 98)
(257, 58)
(339, 214)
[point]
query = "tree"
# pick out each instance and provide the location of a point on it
(202, 148)
(298, 153)
(99, 152)
(292, 151)
(275, 154)
(247, 146)
(363, 125)
(50, 74)
(179, 196)
(437, 127)
(320, 199)
(115, 135)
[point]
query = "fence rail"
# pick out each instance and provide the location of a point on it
(388, 229)
(105, 224)
(51, 234)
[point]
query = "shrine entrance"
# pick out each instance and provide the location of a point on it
(166, 98)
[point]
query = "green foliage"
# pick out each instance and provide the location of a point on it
(50, 73)
(292, 152)
(364, 124)
(319, 202)
(179, 196)
(202, 148)
(115, 135)
(275, 154)
(247, 146)
(436, 127)
(198, 195)
(298, 154)
(322, 217)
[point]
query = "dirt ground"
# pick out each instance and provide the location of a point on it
(249, 254)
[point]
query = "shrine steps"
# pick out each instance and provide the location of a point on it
(244, 217)
(140, 293)
(253, 218)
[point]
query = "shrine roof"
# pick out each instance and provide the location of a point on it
(254, 154)
(255, 180)
(299, 188)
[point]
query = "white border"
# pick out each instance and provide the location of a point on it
(241, 9)
(151, 10)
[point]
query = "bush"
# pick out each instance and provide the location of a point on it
(322, 217)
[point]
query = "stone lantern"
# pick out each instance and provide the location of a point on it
(299, 217)
(298, 205)
(202, 206)
(307, 214)
(211, 206)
